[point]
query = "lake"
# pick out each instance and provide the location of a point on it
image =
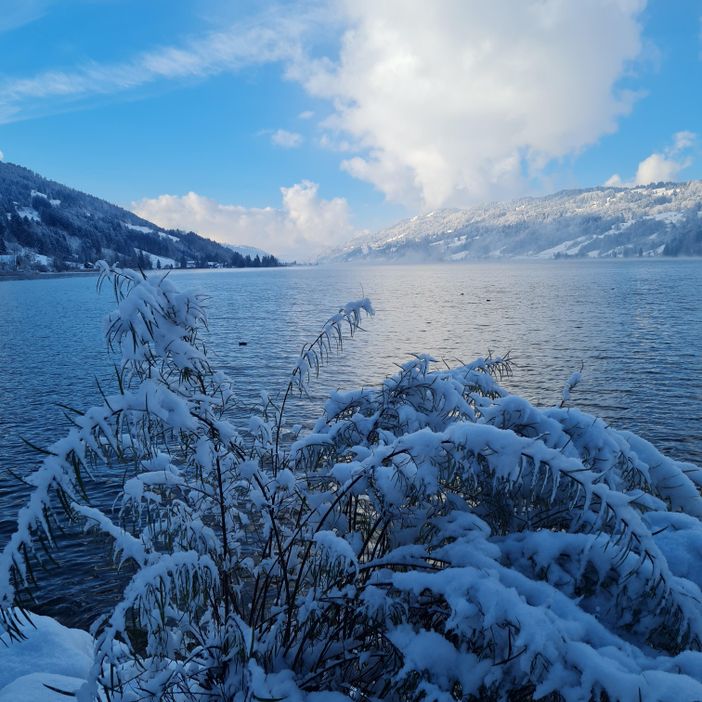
(636, 325)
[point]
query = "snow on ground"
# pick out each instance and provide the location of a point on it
(55, 203)
(137, 228)
(51, 654)
(669, 217)
(29, 213)
(155, 260)
(149, 230)
(33, 688)
(574, 246)
(42, 260)
(565, 247)
(36, 258)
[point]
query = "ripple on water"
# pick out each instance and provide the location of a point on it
(635, 325)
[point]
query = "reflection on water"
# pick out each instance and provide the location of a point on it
(636, 326)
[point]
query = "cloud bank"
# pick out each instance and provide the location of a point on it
(303, 225)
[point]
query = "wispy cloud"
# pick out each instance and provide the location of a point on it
(16, 13)
(286, 139)
(269, 37)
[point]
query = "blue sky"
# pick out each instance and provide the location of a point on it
(297, 126)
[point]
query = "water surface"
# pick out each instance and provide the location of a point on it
(636, 325)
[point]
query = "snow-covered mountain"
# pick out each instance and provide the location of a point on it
(47, 226)
(662, 219)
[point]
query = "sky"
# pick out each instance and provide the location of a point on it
(296, 126)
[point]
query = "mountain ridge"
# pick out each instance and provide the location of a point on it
(652, 220)
(45, 225)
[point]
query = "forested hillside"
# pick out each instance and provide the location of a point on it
(47, 226)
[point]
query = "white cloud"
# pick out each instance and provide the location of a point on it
(333, 143)
(615, 181)
(300, 229)
(661, 166)
(458, 101)
(307, 114)
(286, 139)
(683, 140)
(2, 155)
(657, 167)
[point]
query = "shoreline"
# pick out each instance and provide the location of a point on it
(34, 275)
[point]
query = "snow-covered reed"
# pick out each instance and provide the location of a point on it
(434, 538)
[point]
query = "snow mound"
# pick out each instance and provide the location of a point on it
(50, 653)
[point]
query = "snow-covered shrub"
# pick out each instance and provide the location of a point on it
(434, 538)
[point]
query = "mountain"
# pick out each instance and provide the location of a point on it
(47, 226)
(662, 219)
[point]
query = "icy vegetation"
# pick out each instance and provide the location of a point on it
(434, 538)
(648, 220)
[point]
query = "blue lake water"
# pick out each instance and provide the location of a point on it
(636, 325)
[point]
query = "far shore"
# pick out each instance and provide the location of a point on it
(31, 275)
